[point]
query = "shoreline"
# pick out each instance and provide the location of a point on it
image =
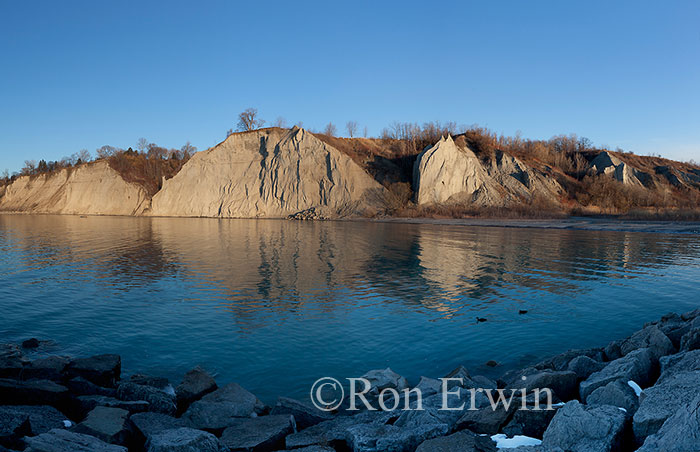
(643, 388)
(599, 224)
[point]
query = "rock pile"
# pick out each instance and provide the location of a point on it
(640, 392)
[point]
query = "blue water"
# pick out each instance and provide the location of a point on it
(274, 305)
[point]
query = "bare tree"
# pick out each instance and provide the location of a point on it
(248, 120)
(229, 132)
(281, 122)
(188, 150)
(6, 175)
(84, 156)
(105, 151)
(330, 130)
(142, 145)
(351, 126)
(364, 132)
(29, 167)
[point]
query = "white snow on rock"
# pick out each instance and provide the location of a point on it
(636, 387)
(503, 442)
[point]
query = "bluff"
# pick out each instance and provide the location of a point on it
(448, 173)
(269, 173)
(94, 189)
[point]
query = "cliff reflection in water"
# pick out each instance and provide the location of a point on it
(247, 298)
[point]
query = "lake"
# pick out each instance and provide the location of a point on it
(275, 304)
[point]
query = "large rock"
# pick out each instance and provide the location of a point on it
(380, 379)
(47, 368)
(13, 426)
(41, 418)
(464, 441)
(680, 362)
(616, 393)
(562, 360)
(652, 338)
(305, 415)
(33, 392)
(159, 400)
(584, 367)
(184, 440)
(89, 403)
(390, 438)
(680, 432)
(195, 384)
(260, 434)
(662, 400)
(108, 424)
(221, 408)
(148, 424)
(269, 173)
(12, 361)
(64, 441)
(691, 340)
(103, 370)
(81, 386)
(636, 366)
(579, 428)
(562, 383)
(93, 188)
(335, 432)
(531, 422)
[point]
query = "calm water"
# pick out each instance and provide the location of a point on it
(274, 305)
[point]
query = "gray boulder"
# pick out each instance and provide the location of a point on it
(41, 418)
(184, 440)
(691, 340)
(81, 386)
(108, 424)
(579, 428)
(33, 392)
(674, 327)
(662, 400)
(195, 384)
(530, 422)
(680, 362)
(612, 351)
(616, 393)
(264, 433)
(47, 368)
(161, 383)
(13, 426)
(335, 431)
(221, 408)
(680, 432)
(380, 379)
(464, 441)
(12, 361)
(690, 315)
(652, 338)
(305, 415)
(64, 441)
(636, 366)
(482, 382)
(148, 424)
(486, 420)
(89, 403)
(564, 384)
(429, 386)
(103, 370)
(390, 438)
(562, 360)
(584, 367)
(158, 400)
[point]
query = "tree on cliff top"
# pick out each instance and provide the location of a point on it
(248, 120)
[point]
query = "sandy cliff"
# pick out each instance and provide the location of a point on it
(269, 173)
(448, 173)
(94, 189)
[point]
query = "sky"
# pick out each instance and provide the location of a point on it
(81, 74)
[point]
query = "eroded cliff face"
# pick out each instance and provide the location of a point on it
(269, 173)
(448, 173)
(608, 164)
(92, 189)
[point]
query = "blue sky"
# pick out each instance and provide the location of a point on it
(81, 74)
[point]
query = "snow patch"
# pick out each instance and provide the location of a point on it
(67, 423)
(636, 387)
(503, 442)
(169, 390)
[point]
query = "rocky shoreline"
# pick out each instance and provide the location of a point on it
(639, 393)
